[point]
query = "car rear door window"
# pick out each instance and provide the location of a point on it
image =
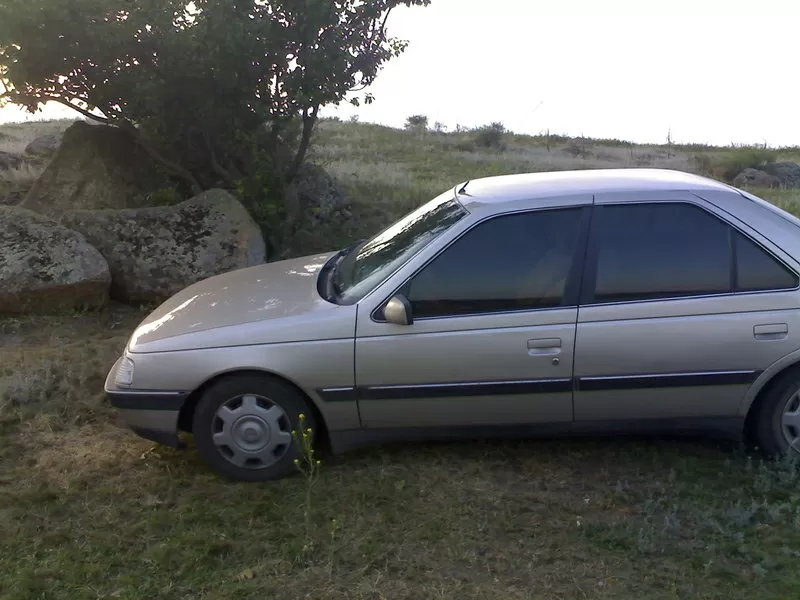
(669, 250)
(512, 262)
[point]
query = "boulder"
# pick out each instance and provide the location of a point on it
(756, 178)
(319, 196)
(96, 167)
(157, 251)
(44, 145)
(319, 211)
(788, 173)
(45, 267)
(9, 160)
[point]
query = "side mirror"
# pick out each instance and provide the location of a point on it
(398, 311)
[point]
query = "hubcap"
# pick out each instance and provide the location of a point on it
(251, 431)
(790, 421)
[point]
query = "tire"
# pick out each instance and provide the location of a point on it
(242, 427)
(777, 422)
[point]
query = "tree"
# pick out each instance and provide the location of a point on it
(215, 90)
(417, 123)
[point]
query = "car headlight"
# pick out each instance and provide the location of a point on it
(124, 375)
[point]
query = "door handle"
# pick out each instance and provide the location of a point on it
(772, 331)
(544, 346)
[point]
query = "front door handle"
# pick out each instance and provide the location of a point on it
(772, 331)
(544, 346)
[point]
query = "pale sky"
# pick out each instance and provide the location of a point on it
(713, 71)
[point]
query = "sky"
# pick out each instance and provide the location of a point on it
(708, 71)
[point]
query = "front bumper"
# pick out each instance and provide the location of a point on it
(151, 414)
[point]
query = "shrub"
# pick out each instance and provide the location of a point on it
(703, 164)
(734, 161)
(491, 136)
(417, 123)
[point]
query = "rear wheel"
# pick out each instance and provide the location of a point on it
(777, 425)
(243, 427)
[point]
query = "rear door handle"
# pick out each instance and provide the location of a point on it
(772, 331)
(544, 346)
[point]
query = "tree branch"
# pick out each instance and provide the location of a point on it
(83, 111)
(212, 157)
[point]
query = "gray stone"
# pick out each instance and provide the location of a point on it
(319, 196)
(157, 251)
(755, 178)
(9, 160)
(44, 145)
(47, 268)
(96, 167)
(788, 173)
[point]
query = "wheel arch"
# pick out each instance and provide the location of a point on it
(190, 404)
(763, 384)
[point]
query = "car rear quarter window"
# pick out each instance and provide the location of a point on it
(511, 262)
(757, 270)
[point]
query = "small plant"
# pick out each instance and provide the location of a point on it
(166, 196)
(491, 136)
(309, 466)
(669, 143)
(439, 127)
(417, 123)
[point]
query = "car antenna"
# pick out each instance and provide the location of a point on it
(462, 191)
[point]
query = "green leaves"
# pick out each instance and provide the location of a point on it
(213, 85)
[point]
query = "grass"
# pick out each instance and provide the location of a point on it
(88, 510)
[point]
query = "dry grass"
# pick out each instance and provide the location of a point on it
(88, 510)
(14, 137)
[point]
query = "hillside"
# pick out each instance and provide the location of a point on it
(386, 171)
(88, 510)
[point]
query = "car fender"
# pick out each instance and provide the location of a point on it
(767, 375)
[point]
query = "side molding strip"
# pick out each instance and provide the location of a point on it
(538, 386)
(666, 380)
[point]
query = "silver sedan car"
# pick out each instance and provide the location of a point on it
(634, 300)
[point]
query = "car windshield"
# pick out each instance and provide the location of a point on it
(370, 263)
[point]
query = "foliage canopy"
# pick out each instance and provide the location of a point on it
(212, 88)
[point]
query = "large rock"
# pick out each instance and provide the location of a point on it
(155, 252)
(45, 267)
(788, 173)
(756, 178)
(96, 167)
(318, 195)
(9, 160)
(44, 145)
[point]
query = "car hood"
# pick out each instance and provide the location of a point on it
(269, 303)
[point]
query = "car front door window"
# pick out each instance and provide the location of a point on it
(508, 263)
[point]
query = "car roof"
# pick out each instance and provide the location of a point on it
(507, 188)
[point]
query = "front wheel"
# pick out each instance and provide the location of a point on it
(777, 425)
(243, 427)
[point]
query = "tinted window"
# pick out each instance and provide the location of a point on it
(374, 260)
(660, 251)
(758, 270)
(513, 262)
